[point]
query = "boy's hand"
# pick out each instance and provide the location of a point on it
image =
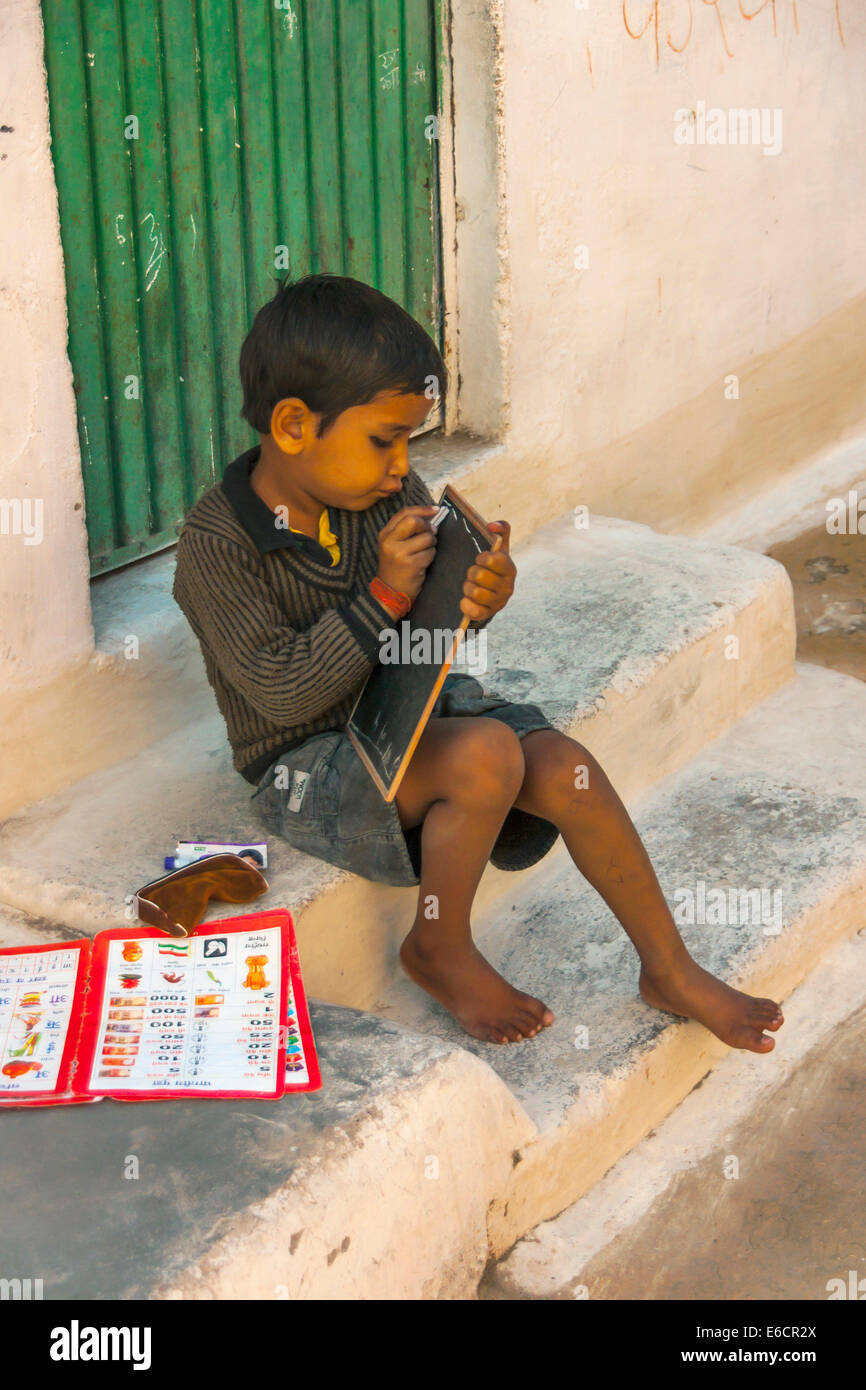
(490, 581)
(407, 545)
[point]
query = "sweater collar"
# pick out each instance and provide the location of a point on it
(256, 516)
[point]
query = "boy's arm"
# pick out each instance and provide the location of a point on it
(289, 676)
(416, 494)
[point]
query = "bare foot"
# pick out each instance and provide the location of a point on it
(477, 995)
(738, 1019)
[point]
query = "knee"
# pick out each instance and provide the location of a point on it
(579, 770)
(489, 762)
(562, 771)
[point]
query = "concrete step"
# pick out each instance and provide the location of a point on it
(613, 630)
(23, 929)
(376, 1186)
(426, 1153)
(798, 503)
(777, 804)
(795, 1130)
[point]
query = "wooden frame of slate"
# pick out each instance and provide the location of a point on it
(396, 700)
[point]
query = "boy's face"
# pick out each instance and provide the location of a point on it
(363, 457)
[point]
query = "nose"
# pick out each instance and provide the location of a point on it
(402, 461)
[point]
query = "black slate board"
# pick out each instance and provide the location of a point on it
(395, 703)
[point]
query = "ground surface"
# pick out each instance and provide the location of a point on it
(829, 578)
(792, 1219)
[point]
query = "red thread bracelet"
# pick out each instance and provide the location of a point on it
(397, 603)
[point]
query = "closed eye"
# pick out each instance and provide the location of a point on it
(380, 443)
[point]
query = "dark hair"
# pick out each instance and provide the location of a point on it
(334, 342)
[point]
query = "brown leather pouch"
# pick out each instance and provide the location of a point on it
(176, 903)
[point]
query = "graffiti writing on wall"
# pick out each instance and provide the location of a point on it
(677, 20)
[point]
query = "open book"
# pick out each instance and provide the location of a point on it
(137, 1014)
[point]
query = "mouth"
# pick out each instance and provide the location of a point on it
(390, 490)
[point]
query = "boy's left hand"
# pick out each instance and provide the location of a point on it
(490, 581)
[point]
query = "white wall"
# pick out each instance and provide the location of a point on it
(702, 257)
(44, 602)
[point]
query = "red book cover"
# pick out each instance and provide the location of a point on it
(141, 1015)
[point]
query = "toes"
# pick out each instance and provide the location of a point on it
(528, 1024)
(520, 1027)
(539, 1011)
(767, 1015)
(771, 1007)
(756, 1041)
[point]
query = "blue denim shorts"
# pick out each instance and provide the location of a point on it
(328, 805)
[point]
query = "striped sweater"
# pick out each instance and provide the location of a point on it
(288, 638)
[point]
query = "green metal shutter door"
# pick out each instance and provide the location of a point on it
(300, 123)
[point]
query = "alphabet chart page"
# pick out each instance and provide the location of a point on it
(195, 1015)
(37, 1007)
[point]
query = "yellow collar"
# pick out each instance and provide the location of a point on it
(326, 537)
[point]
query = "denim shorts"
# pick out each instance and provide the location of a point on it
(328, 805)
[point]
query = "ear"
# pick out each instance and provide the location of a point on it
(293, 425)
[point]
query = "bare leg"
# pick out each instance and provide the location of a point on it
(605, 846)
(461, 783)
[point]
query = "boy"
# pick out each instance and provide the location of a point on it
(317, 540)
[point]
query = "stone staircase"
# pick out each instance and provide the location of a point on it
(427, 1153)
